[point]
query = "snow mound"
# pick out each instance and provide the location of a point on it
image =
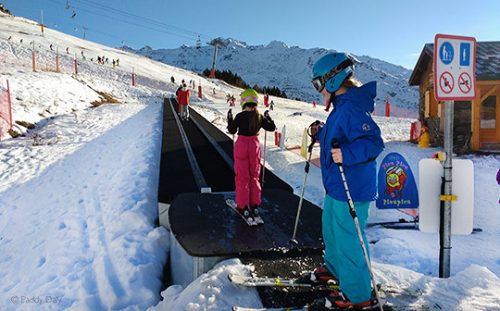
(211, 291)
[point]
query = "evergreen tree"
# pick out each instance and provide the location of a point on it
(228, 77)
(234, 79)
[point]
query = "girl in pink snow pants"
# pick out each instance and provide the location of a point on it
(247, 151)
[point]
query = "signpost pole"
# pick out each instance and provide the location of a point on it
(454, 79)
(445, 220)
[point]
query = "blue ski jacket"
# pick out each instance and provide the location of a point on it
(350, 125)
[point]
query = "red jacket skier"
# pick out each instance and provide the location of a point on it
(266, 100)
(184, 95)
(247, 152)
(183, 99)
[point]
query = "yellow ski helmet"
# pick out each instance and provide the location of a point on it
(249, 96)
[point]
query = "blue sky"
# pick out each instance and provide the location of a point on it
(391, 30)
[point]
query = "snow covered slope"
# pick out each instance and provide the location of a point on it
(78, 193)
(289, 68)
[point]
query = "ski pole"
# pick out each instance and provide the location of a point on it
(354, 215)
(309, 149)
(264, 165)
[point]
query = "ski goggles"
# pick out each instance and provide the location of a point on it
(249, 99)
(319, 82)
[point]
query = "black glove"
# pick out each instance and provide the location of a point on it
(313, 129)
(230, 115)
(266, 114)
(316, 123)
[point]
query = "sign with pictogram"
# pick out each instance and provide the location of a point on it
(454, 67)
(446, 82)
(465, 82)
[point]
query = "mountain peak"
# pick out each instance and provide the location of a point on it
(230, 42)
(146, 48)
(275, 44)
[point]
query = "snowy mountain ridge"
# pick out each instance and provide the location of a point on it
(289, 68)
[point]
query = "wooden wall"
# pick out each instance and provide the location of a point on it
(428, 105)
(467, 132)
(467, 128)
(485, 89)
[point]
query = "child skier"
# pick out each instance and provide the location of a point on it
(183, 97)
(177, 95)
(247, 152)
(352, 139)
(266, 100)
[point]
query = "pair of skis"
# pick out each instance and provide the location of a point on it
(252, 220)
(250, 281)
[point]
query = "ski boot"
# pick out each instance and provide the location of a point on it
(319, 275)
(246, 213)
(255, 210)
(337, 301)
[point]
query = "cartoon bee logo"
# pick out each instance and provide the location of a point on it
(395, 179)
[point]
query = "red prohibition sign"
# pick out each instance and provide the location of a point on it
(446, 82)
(464, 82)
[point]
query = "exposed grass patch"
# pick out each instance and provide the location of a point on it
(105, 99)
(25, 124)
(13, 133)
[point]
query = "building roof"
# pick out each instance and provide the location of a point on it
(487, 61)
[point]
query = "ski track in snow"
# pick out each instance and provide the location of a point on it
(80, 239)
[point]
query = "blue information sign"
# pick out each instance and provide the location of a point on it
(464, 54)
(396, 185)
(446, 53)
(454, 67)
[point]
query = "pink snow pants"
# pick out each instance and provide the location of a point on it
(247, 170)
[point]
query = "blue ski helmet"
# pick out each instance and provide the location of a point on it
(331, 70)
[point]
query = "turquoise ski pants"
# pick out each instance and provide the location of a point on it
(344, 257)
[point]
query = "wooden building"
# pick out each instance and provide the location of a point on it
(477, 122)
